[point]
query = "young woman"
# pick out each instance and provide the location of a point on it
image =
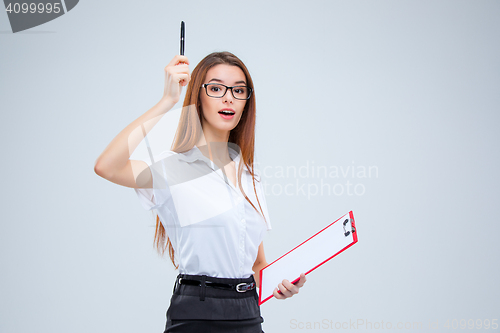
(211, 210)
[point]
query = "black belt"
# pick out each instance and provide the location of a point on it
(239, 287)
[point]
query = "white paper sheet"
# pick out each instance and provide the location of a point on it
(307, 256)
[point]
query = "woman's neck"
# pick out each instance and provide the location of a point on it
(216, 151)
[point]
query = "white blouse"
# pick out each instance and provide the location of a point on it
(212, 227)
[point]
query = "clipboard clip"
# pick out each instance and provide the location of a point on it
(346, 232)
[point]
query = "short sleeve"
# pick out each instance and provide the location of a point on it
(146, 198)
(262, 197)
(152, 198)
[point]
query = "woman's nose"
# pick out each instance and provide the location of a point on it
(228, 97)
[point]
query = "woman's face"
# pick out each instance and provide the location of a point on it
(211, 106)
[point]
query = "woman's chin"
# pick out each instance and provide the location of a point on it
(226, 128)
(226, 125)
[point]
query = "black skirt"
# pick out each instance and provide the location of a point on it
(206, 310)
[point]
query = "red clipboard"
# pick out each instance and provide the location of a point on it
(313, 252)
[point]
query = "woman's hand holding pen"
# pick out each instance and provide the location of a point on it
(176, 76)
(288, 289)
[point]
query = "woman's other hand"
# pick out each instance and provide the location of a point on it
(176, 76)
(288, 289)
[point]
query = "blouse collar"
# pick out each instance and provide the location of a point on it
(195, 154)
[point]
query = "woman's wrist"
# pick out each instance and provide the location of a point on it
(166, 103)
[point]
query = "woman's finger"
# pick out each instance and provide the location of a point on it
(180, 71)
(183, 68)
(177, 69)
(183, 79)
(278, 295)
(302, 280)
(284, 290)
(178, 59)
(290, 286)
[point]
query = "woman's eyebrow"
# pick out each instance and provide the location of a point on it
(237, 82)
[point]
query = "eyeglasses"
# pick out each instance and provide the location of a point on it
(218, 90)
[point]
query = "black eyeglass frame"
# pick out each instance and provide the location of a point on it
(204, 85)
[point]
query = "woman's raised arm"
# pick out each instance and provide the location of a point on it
(114, 163)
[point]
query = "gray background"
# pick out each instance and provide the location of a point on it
(410, 87)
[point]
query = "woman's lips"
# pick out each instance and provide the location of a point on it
(226, 115)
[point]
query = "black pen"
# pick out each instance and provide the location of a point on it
(182, 37)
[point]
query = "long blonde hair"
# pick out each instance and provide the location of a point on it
(188, 132)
